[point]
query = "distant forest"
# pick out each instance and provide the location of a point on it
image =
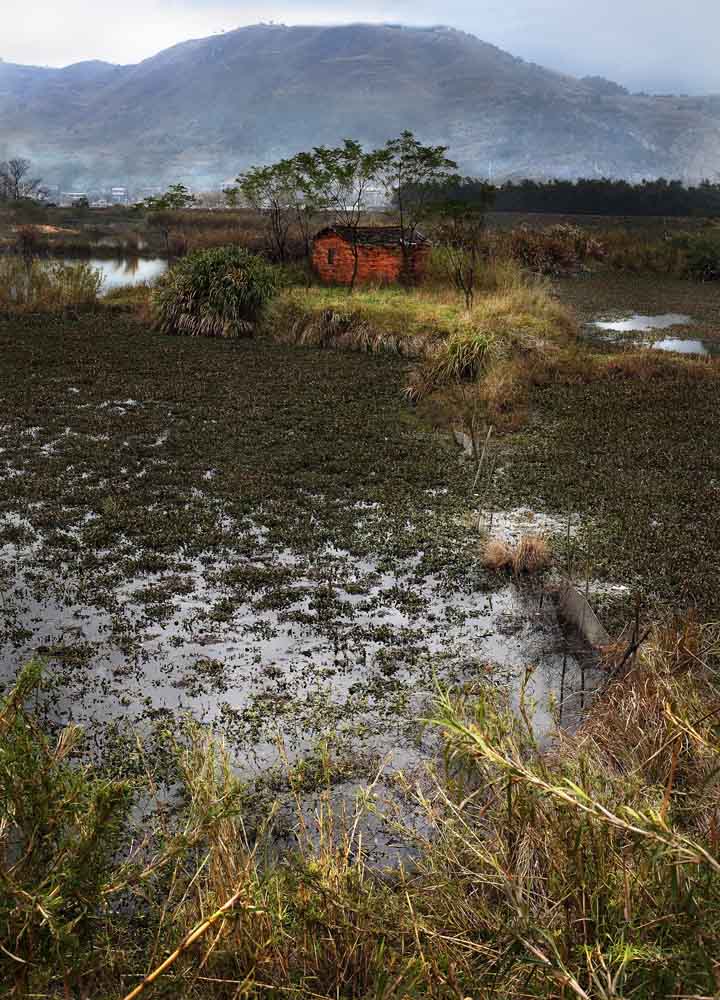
(595, 197)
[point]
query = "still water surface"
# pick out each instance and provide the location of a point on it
(641, 324)
(128, 271)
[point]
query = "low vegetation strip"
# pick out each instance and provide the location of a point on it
(390, 320)
(421, 323)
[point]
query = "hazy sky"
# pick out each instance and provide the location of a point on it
(655, 45)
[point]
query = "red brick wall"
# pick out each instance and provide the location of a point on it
(375, 264)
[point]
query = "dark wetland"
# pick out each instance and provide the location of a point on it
(266, 538)
(262, 538)
(261, 553)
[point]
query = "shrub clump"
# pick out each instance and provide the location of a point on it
(556, 251)
(703, 258)
(218, 292)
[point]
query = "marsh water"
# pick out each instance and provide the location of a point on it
(255, 537)
(128, 270)
(337, 645)
(641, 324)
(628, 330)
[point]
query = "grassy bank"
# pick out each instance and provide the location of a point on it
(384, 320)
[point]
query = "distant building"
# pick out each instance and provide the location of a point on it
(119, 195)
(380, 257)
(375, 197)
(74, 198)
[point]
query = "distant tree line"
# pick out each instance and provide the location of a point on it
(596, 196)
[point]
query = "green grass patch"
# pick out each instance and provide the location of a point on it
(375, 320)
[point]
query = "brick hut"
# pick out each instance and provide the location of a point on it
(380, 254)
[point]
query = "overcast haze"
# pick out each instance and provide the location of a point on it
(655, 45)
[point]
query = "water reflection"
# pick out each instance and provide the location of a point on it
(642, 324)
(128, 271)
(705, 348)
(639, 323)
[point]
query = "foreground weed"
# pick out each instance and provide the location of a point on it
(587, 868)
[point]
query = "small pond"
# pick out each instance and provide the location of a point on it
(706, 348)
(128, 270)
(642, 324)
(611, 332)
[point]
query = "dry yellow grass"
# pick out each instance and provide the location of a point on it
(530, 555)
(497, 555)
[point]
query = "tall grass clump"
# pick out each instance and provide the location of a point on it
(38, 286)
(219, 292)
(591, 868)
(496, 346)
(531, 554)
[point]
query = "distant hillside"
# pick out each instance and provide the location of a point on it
(204, 109)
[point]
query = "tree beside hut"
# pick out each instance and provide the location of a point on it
(343, 255)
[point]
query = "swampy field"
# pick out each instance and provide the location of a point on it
(262, 536)
(254, 572)
(268, 538)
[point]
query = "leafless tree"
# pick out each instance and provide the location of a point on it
(15, 180)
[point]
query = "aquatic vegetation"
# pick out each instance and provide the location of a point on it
(607, 443)
(233, 500)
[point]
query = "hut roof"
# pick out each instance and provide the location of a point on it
(375, 236)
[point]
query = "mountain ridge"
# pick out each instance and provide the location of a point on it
(204, 109)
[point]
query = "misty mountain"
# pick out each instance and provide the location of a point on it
(203, 110)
